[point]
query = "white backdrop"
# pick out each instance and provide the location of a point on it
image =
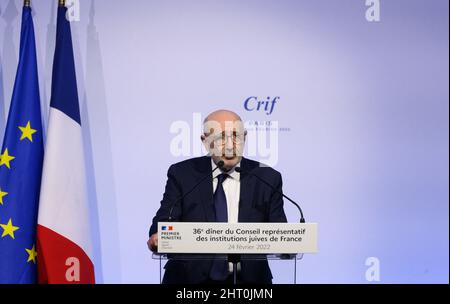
(363, 109)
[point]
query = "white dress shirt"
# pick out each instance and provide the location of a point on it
(231, 187)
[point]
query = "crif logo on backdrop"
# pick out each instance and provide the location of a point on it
(261, 141)
(253, 104)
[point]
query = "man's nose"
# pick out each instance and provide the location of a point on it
(229, 145)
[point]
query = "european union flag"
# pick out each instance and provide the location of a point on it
(21, 167)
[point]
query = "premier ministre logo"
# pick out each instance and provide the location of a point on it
(168, 233)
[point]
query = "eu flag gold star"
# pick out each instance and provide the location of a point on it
(27, 132)
(8, 229)
(2, 194)
(31, 254)
(5, 158)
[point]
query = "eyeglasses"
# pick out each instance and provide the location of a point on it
(220, 139)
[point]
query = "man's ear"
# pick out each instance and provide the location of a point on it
(206, 143)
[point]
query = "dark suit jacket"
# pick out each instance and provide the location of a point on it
(258, 203)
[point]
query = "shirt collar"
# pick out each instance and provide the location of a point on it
(232, 173)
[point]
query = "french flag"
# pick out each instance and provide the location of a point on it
(63, 234)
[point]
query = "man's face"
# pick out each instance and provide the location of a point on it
(224, 139)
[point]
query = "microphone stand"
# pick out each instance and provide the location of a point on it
(234, 259)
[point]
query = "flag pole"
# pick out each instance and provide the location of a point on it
(62, 3)
(26, 3)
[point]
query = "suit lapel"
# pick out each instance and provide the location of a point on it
(206, 190)
(246, 189)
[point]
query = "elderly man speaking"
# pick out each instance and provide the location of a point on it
(228, 196)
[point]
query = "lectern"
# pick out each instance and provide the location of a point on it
(235, 243)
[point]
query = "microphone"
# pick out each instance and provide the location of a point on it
(219, 166)
(239, 170)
